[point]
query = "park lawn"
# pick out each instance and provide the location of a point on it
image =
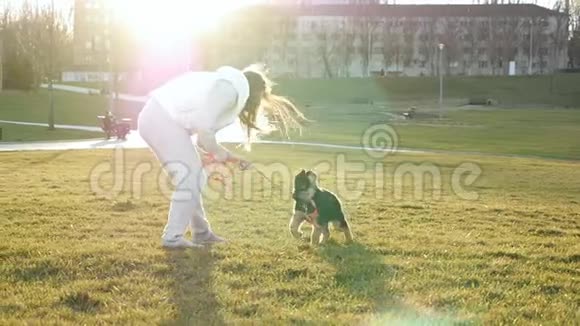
(79, 256)
(551, 133)
(527, 130)
(16, 133)
(557, 90)
(70, 108)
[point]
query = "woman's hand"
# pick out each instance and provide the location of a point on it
(243, 164)
(209, 158)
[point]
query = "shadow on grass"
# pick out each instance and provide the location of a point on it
(361, 272)
(364, 275)
(193, 295)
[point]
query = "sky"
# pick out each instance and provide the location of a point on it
(68, 3)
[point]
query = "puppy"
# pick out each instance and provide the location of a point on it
(318, 207)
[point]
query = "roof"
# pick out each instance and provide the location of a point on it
(382, 10)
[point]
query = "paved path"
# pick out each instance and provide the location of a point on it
(227, 137)
(57, 126)
(89, 91)
(135, 141)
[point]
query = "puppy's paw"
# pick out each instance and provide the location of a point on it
(304, 247)
(297, 235)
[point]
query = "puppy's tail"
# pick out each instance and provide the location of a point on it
(345, 227)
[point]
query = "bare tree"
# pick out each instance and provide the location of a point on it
(490, 29)
(286, 32)
(346, 40)
(532, 33)
(410, 28)
(559, 37)
(508, 42)
(428, 42)
(326, 46)
(573, 10)
(451, 37)
(392, 42)
(366, 23)
(471, 50)
(249, 31)
(31, 33)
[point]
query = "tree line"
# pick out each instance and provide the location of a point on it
(336, 45)
(36, 44)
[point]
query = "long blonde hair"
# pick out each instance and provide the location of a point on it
(264, 111)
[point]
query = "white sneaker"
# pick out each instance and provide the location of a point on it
(210, 238)
(179, 243)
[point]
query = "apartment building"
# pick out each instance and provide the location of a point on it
(339, 40)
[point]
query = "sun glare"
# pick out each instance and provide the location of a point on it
(159, 22)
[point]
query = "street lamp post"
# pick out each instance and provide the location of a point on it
(530, 57)
(51, 58)
(112, 76)
(441, 46)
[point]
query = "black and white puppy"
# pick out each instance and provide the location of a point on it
(318, 207)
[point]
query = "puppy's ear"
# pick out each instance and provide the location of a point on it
(311, 176)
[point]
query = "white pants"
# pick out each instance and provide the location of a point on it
(173, 147)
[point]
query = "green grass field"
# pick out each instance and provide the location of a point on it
(558, 90)
(544, 132)
(17, 133)
(424, 253)
(70, 108)
(75, 256)
(518, 128)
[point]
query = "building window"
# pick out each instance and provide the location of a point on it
(543, 64)
(543, 51)
(481, 51)
(423, 64)
(483, 64)
(466, 50)
(88, 45)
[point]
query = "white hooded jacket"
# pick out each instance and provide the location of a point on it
(205, 102)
